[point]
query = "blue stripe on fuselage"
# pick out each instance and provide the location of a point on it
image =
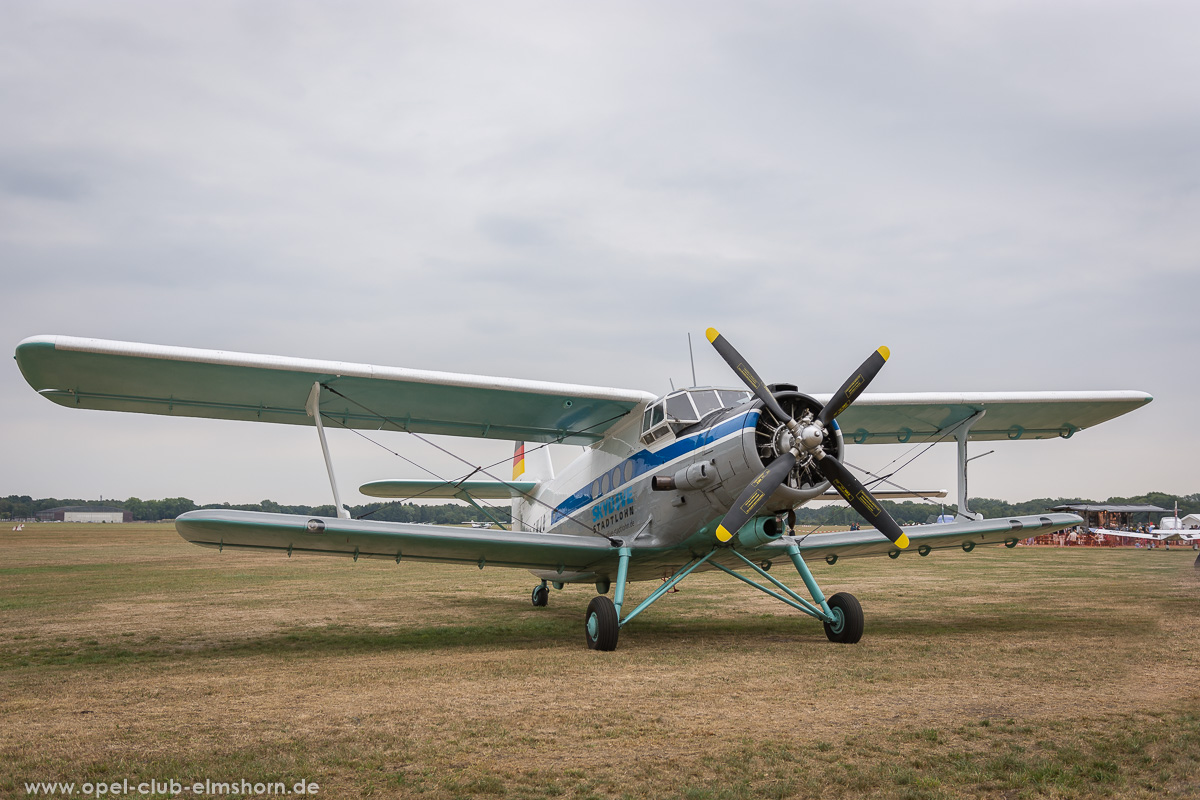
(647, 461)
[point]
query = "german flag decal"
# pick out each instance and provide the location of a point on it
(519, 461)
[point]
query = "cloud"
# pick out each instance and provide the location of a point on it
(1005, 193)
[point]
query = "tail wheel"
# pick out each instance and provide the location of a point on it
(541, 595)
(601, 624)
(847, 625)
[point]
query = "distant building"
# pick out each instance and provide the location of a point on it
(85, 514)
(1111, 517)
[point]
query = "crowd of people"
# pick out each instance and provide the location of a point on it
(1080, 536)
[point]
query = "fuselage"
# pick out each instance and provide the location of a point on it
(608, 491)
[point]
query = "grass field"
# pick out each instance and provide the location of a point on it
(1034, 672)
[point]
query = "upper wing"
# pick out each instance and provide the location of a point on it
(157, 379)
(928, 416)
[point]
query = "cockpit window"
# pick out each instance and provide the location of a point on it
(731, 397)
(705, 401)
(679, 408)
(656, 415)
(685, 407)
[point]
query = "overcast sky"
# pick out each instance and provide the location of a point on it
(1005, 194)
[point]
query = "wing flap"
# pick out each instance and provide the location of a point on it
(397, 541)
(182, 381)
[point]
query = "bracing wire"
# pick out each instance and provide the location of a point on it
(475, 468)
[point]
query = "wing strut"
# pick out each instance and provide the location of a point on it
(313, 407)
(960, 433)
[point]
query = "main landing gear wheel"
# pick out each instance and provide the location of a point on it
(541, 595)
(601, 624)
(847, 625)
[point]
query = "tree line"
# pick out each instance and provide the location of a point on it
(26, 507)
(906, 513)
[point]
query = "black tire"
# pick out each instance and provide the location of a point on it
(541, 596)
(848, 627)
(601, 625)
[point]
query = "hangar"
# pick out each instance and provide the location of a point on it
(85, 514)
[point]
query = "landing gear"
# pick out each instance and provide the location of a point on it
(847, 624)
(541, 595)
(841, 614)
(602, 624)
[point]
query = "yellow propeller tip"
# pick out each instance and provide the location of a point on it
(883, 351)
(902, 542)
(712, 335)
(722, 534)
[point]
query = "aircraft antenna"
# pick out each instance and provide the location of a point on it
(692, 358)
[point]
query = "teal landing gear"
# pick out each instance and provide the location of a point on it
(602, 624)
(541, 595)
(842, 614)
(847, 624)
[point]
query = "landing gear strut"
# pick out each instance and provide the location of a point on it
(841, 614)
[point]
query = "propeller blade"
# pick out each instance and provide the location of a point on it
(854, 386)
(739, 365)
(861, 500)
(754, 495)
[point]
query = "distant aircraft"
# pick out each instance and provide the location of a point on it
(704, 478)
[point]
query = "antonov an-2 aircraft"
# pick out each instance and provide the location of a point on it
(701, 479)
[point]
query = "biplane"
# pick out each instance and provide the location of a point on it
(703, 478)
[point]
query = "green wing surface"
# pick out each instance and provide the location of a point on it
(928, 416)
(478, 489)
(182, 381)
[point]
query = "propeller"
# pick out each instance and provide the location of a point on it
(807, 438)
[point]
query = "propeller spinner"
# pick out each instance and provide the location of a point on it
(808, 438)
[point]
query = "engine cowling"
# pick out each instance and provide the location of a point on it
(772, 437)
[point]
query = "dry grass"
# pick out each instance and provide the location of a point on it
(125, 652)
